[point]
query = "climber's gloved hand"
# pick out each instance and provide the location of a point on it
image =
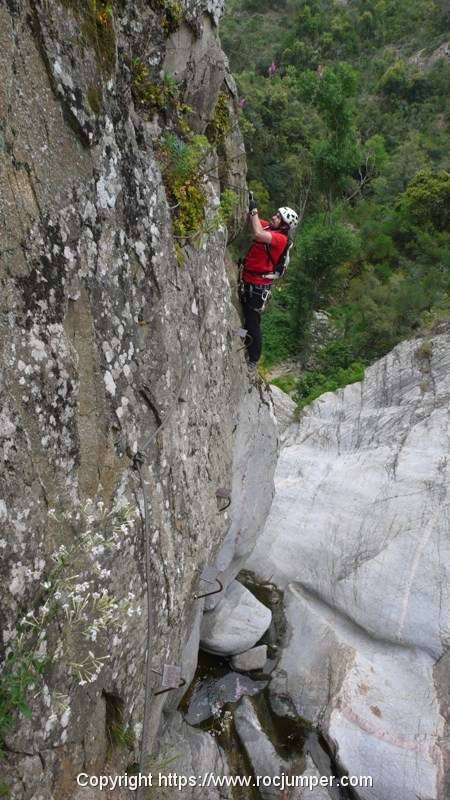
(251, 202)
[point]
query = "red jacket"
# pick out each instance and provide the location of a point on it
(257, 259)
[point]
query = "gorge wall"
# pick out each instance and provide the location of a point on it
(357, 540)
(126, 411)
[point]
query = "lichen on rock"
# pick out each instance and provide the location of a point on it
(122, 375)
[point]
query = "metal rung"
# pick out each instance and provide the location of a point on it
(209, 594)
(223, 494)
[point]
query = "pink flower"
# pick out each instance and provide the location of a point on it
(272, 69)
(242, 102)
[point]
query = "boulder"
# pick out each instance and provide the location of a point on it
(210, 695)
(252, 659)
(236, 624)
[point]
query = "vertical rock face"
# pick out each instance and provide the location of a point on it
(121, 379)
(358, 538)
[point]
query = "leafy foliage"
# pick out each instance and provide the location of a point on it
(72, 617)
(153, 94)
(21, 671)
(427, 199)
(172, 14)
(184, 181)
(311, 385)
(345, 115)
(228, 203)
(220, 124)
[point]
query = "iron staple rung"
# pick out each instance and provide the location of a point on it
(209, 594)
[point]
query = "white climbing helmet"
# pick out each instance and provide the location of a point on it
(289, 217)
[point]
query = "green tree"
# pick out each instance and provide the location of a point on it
(427, 199)
(351, 129)
(323, 246)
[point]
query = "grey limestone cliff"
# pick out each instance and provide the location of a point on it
(123, 382)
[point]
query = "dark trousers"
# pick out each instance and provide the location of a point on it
(253, 325)
(254, 299)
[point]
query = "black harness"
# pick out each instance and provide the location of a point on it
(255, 295)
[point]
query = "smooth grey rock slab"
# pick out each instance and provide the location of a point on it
(284, 408)
(254, 462)
(191, 753)
(236, 624)
(361, 511)
(262, 755)
(310, 792)
(212, 694)
(252, 659)
(189, 659)
(359, 526)
(376, 701)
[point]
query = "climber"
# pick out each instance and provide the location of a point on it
(263, 263)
